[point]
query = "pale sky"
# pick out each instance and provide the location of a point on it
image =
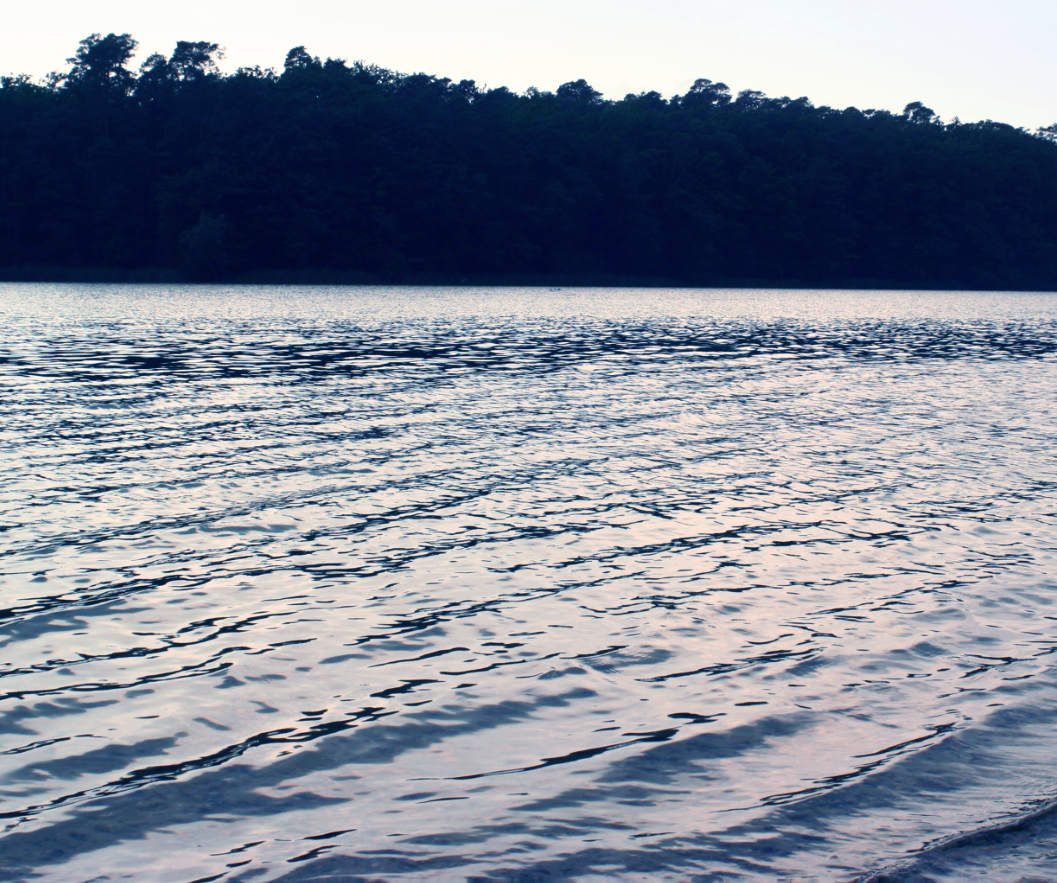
(975, 59)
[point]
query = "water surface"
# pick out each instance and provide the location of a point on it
(303, 584)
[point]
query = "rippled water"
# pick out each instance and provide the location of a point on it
(306, 584)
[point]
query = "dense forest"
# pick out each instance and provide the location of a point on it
(335, 171)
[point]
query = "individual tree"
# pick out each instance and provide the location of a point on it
(466, 90)
(155, 80)
(750, 98)
(99, 74)
(917, 113)
(705, 93)
(579, 92)
(205, 247)
(298, 58)
(99, 66)
(195, 61)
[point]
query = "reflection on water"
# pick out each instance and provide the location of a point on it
(339, 584)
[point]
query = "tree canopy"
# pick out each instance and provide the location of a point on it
(361, 172)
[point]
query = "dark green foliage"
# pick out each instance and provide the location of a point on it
(99, 66)
(335, 168)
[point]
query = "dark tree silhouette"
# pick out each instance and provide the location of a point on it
(336, 170)
(193, 61)
(99, 66)
(298, 57)
(916, 112)
(705, 93)
(579, 92)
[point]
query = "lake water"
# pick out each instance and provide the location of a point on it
(379, 583)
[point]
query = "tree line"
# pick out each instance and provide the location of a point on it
(349, 171)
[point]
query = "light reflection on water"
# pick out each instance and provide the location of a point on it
(359, 583)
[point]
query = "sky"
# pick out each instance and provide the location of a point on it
(974, 59)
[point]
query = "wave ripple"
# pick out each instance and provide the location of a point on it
(298, 584)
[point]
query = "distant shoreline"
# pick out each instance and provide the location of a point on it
(164, 276)
(331, 173)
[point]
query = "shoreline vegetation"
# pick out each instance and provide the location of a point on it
(330, 172)
(348, 278)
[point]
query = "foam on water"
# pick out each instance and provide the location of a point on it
(305, 584)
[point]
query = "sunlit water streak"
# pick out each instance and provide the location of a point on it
(307, 584)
